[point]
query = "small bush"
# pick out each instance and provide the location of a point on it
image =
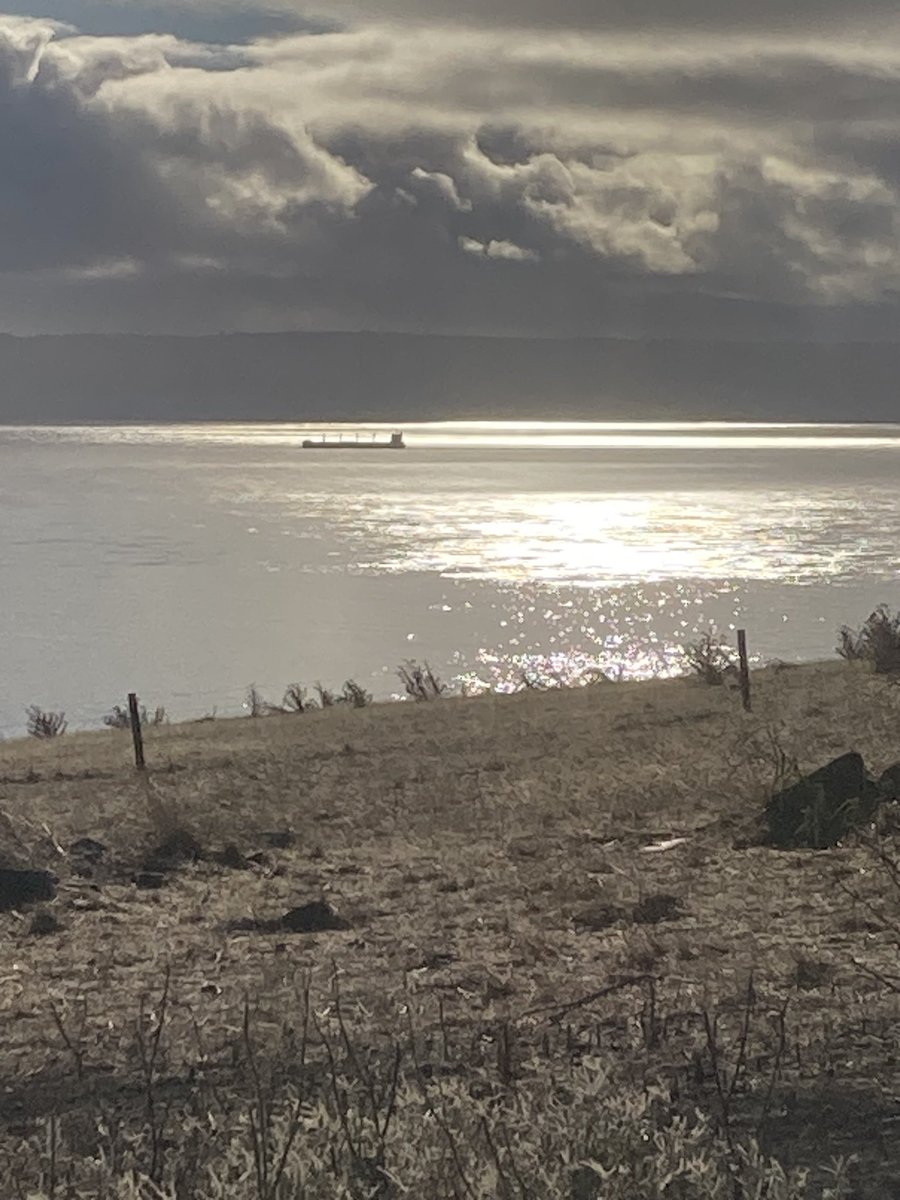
(355, 695)
(42, 724)
(852, 644)
(296, 699)
(352, 694)
(877, 642)
(420, 682)
(120, 718)
(710, 659)
(257, 705)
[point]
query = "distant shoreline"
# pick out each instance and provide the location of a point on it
(382, 422)
(61, 378)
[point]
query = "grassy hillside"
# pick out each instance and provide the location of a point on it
(531, 993)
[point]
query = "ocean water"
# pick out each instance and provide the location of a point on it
(187, 562)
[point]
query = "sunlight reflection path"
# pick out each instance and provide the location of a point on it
(611, 540)
(498, 550)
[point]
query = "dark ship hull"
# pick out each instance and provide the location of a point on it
(353, 443)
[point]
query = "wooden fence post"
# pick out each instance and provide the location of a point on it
(745, 669)
(134, 714)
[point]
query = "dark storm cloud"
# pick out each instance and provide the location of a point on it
(87, 185)
(404, 176)
(70, 194)
(645, 16)
(211, 23)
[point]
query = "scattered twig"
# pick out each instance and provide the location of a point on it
(72, 1044)
(435, 1112)
(148, 1052)
(776, 1068)
(561, 1010)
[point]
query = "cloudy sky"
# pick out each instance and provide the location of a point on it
(503, 166)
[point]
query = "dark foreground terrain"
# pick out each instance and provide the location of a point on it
(522, 947)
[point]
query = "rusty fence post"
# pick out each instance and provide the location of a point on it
(745, 669)
(137, 734)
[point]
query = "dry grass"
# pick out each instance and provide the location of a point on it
(496, 860)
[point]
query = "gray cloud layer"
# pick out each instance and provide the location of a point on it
(426, 175)
(644, 16)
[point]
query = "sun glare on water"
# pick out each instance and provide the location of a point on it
(535, 435)
(514, 552)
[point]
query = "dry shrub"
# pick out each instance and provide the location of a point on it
(876, 642)
(352, 694)
(711, 659)
(296, 699)
(43, 724)
(384, 1121)
(419, 681)
(120, 718)
(355, 695)
(258, 706)
(852, 644)
(166, 819)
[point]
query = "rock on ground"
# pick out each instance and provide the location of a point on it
(821, 808)
(18, 888)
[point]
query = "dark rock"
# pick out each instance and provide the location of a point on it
(231, 857)
(598, 917)
(44, 923)
(811, 974)
(279, 839)
(88, 850)
(86, 856)
(653, 909)
(181, 844)
(586, 1184)
(178, 848)
(149, 881)
(25, 887)
(889, 782)
(316, 917)
(252, 925)
(526, 847)
(434, 960)
(820, 809)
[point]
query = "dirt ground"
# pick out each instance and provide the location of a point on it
(580, 869)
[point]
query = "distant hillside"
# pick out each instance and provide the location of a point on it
(308, 376)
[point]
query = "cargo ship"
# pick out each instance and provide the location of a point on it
(354, 441)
